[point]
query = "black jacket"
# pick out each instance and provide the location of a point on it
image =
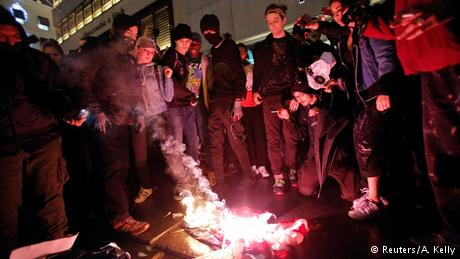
(178, 63)
(263, 65)
(112, 85)
(30, 101)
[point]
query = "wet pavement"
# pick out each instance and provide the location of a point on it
(332, 233)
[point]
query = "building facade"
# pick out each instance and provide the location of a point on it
(243, 19)
(34, 16)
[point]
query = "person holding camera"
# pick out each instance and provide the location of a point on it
(371, 54)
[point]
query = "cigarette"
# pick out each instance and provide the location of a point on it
(274, 111)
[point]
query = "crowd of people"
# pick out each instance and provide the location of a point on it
(334, 98)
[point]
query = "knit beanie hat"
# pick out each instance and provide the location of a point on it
(146, 42)
(181, 31)
(209, 22)
(121, 23)
(196, 37)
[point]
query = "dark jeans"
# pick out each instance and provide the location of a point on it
(441, 125)
(43, 172)
(370, 134)
(114, 151)
(142, 143)
(182, 122)
(279, 132)
(220, 121)
(202, 126)
(253, 121)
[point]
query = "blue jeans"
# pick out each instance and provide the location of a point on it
(182, 122)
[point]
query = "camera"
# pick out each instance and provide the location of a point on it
(359, 9)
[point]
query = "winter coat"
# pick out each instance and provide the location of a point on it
(111, 84)
(31, 101)
(157, 90)
(178, 63)
(263, 65)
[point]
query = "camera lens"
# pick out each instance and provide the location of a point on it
(319, 80)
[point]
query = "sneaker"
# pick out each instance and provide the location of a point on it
(365, 209)
(279, 188)
(131, 226)
(365, 195)
(143, 194)
(293, 178)
(254, 170)
(263, 172)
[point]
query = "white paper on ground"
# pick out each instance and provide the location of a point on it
(44, 248)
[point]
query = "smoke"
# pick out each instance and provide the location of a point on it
(192, 187)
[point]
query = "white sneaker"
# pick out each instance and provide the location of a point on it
(365, 195)
(142, 195)
(365, 209)
(263, 172)
(254, 170)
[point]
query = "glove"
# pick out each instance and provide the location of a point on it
(237, 112)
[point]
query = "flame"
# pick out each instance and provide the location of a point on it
(203, 209)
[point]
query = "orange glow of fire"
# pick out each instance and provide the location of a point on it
(213, 217)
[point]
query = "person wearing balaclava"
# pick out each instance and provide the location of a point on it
(30, 140)
(225, 110)
(112, 92)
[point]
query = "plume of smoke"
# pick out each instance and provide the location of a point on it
(192, 187)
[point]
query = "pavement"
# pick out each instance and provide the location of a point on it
(332, 233)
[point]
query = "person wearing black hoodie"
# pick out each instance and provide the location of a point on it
(32, 169)
(225, 109)
(112, 91)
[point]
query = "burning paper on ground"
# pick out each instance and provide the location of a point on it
(206, 218)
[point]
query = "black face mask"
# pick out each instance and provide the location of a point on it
(125, 44)
(213, 38)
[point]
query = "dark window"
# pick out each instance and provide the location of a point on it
(43, 21)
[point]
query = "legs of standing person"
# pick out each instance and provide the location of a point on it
(255, 131)
(140, 145)
(11, 173)
(47, 173)
(369, 135)
(191, 132)
(176, 123)
(249, 126)
(217, 139)
(273, 134)
(114, 146)
(290, 137)
(235, 135)
(441, 122)
(182, 121)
